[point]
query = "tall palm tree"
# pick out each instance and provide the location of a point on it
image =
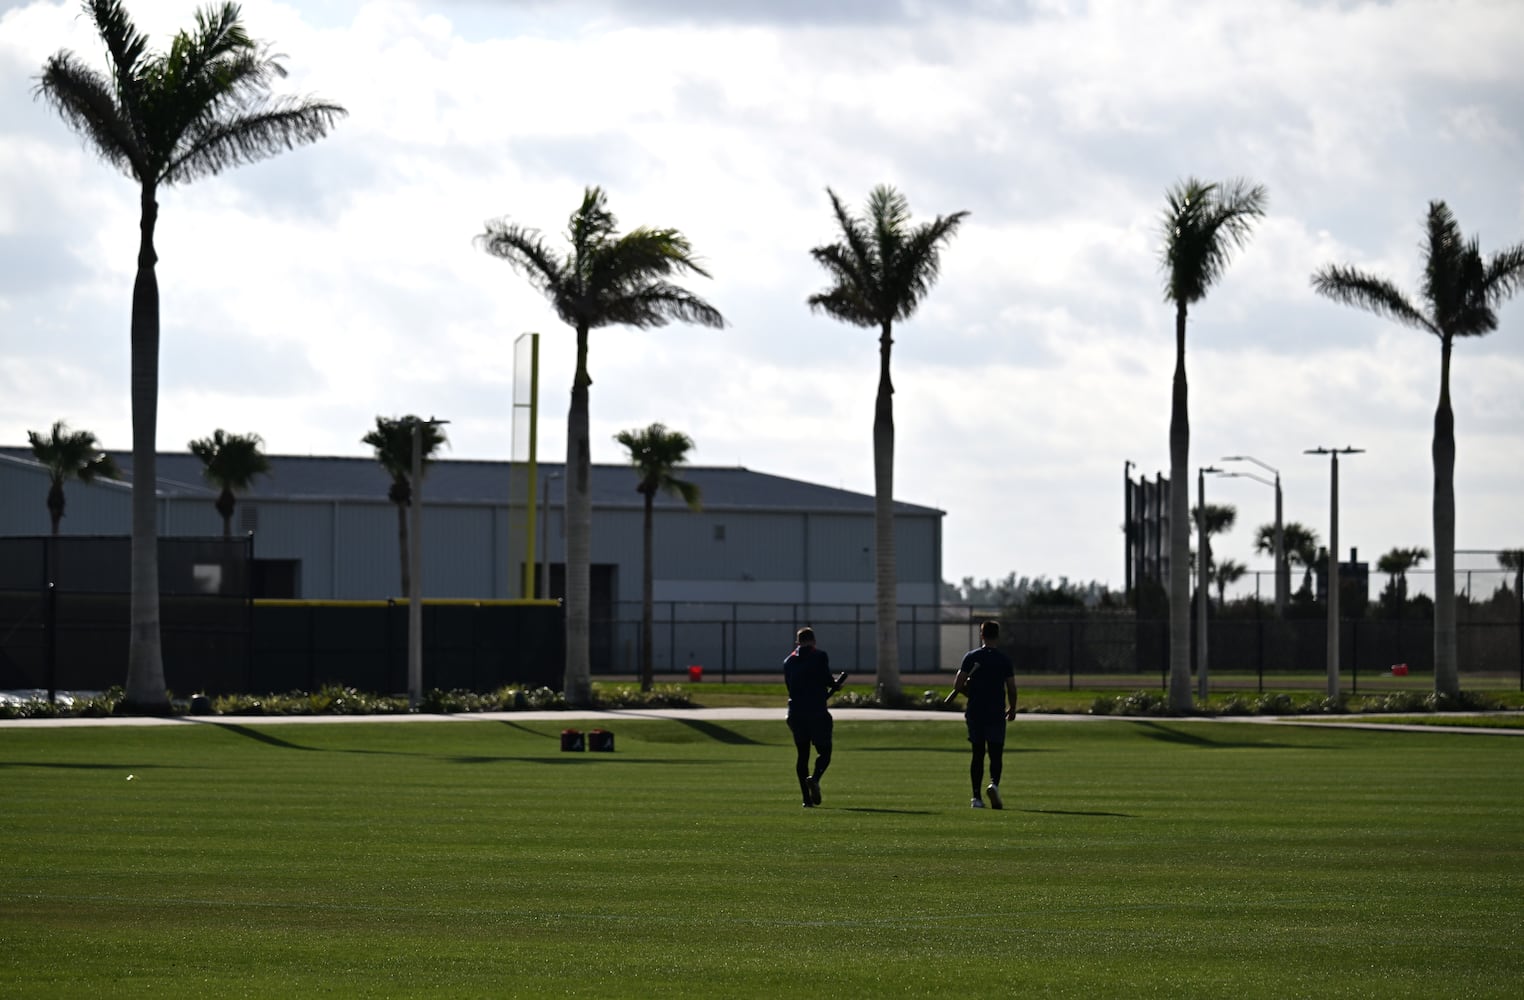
(880, 270)
(69, 455)
(1395, 564)
(230, 462)
(655, 452)
(1203, 224)
(1300, 545)
(606, 279)
(392, 440)
(166, 118)
(1460, 295)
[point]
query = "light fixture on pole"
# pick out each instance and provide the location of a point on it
(1333, 560)
(1282, 567)
(545, 536)
(415, 565)
(1203, 573)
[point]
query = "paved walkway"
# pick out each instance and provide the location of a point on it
(607, 718)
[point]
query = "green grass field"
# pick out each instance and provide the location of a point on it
(473, 859)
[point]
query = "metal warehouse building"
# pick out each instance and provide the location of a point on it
(731, 581)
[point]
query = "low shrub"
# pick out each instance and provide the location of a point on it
(630, 696)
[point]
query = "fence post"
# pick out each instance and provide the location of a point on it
(52, 631)
(1071, 655)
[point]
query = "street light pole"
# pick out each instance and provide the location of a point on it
(1203, 594)
(1333, 560)
(1282, 567)
(415, 567)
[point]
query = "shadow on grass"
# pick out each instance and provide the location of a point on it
(720, 734)
(957, 750)
(571, 757)
(257, 736)
(60, 765)
(1077, 812)
(1169, 734)
(897, 812)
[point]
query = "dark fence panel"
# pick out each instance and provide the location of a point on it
(65, 610)
(474, 646)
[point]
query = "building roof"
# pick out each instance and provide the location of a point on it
(448, 480)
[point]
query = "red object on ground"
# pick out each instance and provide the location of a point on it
(695, 673)
(1399, 670)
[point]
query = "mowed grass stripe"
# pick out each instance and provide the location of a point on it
(461, 859)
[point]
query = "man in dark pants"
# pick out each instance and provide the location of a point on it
(807, 672)
(987, 677)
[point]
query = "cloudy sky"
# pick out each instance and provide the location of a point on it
(306, 294)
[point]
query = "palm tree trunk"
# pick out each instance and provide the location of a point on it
(56, 504)
(886, 572)
(578, 681)
(1179, 529)
(402, 550)
(145, 689)
(226, 504)
(647, 610)
(1446, 648)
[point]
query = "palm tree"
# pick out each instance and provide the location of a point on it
(166, 118)
(230, 462)
(1301, 547)
(1224, 573)
(880, 271)
(392, 440)
(1461, 292)
(69, 455)
(1220, 519)
(1395, 564)
(605, 280)
(1202, 225)
(655, 452)
(1514, 559)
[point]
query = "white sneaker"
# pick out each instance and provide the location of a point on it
(993, 791)
(976, 803)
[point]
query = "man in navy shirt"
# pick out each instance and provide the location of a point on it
(986, 676)
(807, 672)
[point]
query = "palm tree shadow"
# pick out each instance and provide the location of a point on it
(1168, 734)
(255, 734)
(1077, 812)
(720, 734)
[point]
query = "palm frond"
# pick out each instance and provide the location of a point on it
(526, 252)
(1350, 286)
(86, 101)
(656, 304)
(1504, 274)
(285, 123)
(883, 267)
(1202, 225)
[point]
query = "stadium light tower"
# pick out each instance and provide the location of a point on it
(1282, 567)
(1203, 591)
(415, 568)
(1333, 560)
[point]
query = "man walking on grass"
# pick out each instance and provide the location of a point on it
(986, 676)
(807, 672)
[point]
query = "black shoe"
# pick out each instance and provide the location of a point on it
(808, 804)
(814, 784)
